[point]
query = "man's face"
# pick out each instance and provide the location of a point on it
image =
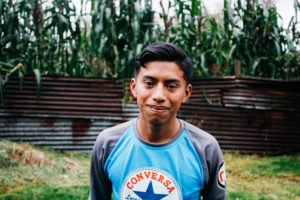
(160, 89)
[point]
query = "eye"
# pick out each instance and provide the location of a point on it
(148, 83)
(172, 86)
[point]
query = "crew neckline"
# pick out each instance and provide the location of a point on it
(137, 135)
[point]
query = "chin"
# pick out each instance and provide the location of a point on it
(156, 122)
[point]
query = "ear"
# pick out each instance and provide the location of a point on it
(133, 87)
(187, 93)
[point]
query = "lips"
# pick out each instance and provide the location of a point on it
(158, 109)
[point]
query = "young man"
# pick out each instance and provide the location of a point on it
(158, 156)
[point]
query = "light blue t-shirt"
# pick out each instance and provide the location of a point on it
(130, 168)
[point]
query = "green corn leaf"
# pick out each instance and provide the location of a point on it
(231, 52)
(38, 81)
(206, 96)
(2, 84)
(1, 7)
(202, 65)
(277, 47)
(21, 77)
(116, 60)
(254, 66)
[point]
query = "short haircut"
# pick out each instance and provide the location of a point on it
(162, 51)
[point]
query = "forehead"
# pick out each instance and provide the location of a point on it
(161, 70)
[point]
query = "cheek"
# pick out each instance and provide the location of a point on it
(179, 99)
(141, 97)
(142, 93)
(176, 100)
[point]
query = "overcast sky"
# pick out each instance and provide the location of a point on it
(284, 7)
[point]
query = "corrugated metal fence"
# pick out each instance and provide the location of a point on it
(69, 115)
(246, 114)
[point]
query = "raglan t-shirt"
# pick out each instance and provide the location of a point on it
(126, 167)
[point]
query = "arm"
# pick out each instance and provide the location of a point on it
(215, 186)
(211, 158)
(100, 185)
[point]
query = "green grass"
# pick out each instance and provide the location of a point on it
(66, 176)
(262, 178)
(45, 191)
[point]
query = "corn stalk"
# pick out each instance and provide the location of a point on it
(51, 38)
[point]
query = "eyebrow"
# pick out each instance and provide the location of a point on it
(167, 81)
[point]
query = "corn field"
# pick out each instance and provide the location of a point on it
(53, 38)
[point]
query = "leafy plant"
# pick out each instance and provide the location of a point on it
(119, 31)
(8, 72)
(260, 43)
(52, 38)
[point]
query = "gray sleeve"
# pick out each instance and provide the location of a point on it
(100, 185)
(212, 161)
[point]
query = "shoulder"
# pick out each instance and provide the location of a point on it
(114, 132)
(200, 136)
(206, 145)
(109, 137)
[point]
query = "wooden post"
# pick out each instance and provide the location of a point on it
(237, 68)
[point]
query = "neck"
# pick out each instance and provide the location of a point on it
(158, 133)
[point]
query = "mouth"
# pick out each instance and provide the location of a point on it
(158, 109)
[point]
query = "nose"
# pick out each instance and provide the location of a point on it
(158, 94)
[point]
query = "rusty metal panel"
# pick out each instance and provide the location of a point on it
(65, 133)
(251, 115)
(64, 96)
(246, 130)
(69, 115)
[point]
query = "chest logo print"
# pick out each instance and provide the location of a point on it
(150, 183)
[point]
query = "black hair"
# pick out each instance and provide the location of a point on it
(162, 51)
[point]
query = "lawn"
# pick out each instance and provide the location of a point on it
(28, 172)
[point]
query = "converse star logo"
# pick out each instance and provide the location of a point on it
(149, 194)
(150, 184)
